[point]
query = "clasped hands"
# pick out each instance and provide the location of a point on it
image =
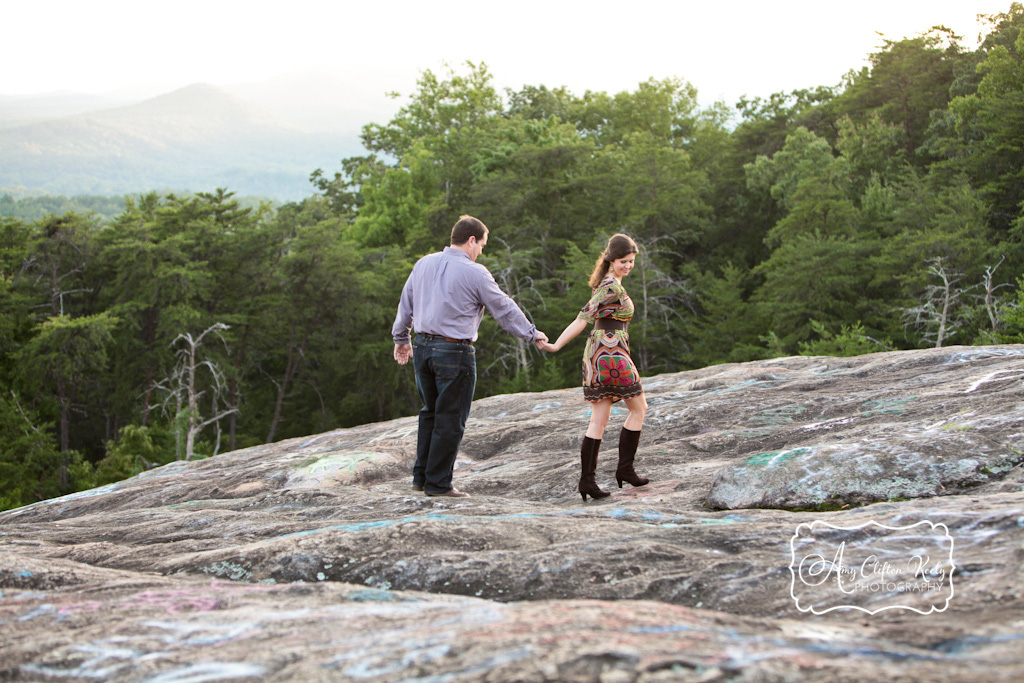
(543, 344)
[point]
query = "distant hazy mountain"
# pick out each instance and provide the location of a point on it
(197, 138)
(18, 111)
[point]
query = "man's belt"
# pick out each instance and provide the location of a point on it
(437, 336)
(611, 324)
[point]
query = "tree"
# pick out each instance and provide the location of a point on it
(444, 117)
(316, 280)
(62, 357)
(31, 466)
(399, 202)
(872, 152)
(982, 135)
(659, 192)
(929, 222)
(991, 305)
(1011, 319)
(533, 180)
(936, 316)
(665, 109)
(664, 303)
(171, 264)
(906, 82)
(728, 325)
(183, 388)
(804, 156)
(815, 277)
(851, 340)
(135, 450)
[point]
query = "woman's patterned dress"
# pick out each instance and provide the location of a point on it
(608, 370)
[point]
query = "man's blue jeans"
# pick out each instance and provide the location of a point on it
(445, 378)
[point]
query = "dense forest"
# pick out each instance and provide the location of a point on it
(33, 208)
(882, 213)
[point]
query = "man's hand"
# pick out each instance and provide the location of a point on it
(403, 352)
(542, 341)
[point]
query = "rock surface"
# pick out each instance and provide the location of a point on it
(312, 559)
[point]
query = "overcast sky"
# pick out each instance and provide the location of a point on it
(727, 49)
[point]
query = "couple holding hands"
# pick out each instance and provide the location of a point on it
(445, 297)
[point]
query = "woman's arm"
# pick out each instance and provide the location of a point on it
(569, 333)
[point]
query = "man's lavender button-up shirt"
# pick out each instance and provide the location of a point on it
(447, 293)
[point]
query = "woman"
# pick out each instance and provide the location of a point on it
(609, 374)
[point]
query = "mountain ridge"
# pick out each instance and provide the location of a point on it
(194, 138)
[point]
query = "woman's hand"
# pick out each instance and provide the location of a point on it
(568, 334)
(547, 346)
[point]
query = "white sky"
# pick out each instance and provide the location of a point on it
(727, 48)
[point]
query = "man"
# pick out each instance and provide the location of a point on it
(444, 298)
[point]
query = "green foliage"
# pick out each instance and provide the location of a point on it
(729, 326)
(815, 277)
(37, 208)
(851, 340)
(135, 450)
(907, 81)
(1012, 318)
(982, 132)
(31, 466)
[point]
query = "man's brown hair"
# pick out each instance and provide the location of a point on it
(467, 227)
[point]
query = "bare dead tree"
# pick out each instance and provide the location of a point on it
(181, 388)
(988, 297)
(934, 317)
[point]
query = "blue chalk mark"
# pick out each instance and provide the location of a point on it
(965, 643)
(374, 595)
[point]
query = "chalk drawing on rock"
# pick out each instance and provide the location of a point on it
(773, 458)
(882, 406)
(997, 376)
(749, 433)
(71, 497)
(209, 671)
(171, 469)
(828, 424)
(339, 468)
(777, 416)
(96, 662)
(983, 353)
(398, 434)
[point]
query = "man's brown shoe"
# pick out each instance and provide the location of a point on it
(451, 493)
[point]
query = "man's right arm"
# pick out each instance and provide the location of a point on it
(504, 310)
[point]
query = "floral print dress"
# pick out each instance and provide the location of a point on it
(608, 370)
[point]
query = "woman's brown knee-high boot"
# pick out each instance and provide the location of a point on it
(628, 440)
(588, 469)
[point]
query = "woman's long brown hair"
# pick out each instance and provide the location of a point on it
(618, 247)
